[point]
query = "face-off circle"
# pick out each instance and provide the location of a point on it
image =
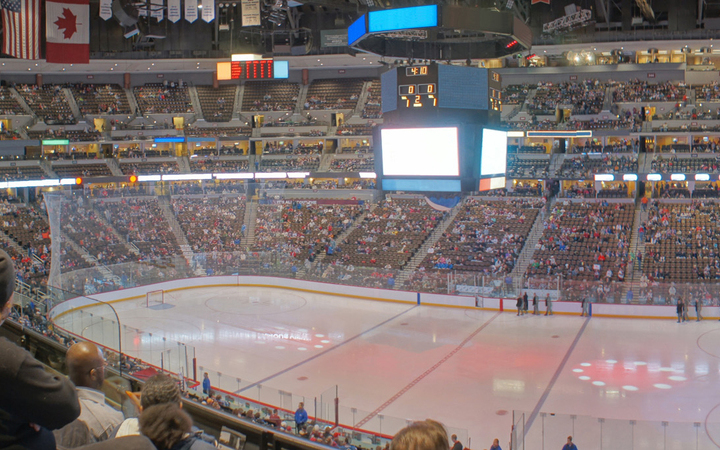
(629, 376)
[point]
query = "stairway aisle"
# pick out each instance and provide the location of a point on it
(421, 252)
(177, 230)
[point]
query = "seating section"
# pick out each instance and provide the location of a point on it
(214, 132)
(100, 99)
(583, 241)
(485, 237)
(527, 168)
(159, 98)
(389, 236)
(301, 228)
(303, 163)
(685, 165)
(357, 130)
(199, 165)
(83, 225)
(526, 149)
(211, 224)
(681, 243)
(270, 96)
(708, 92)
(86, 135)
(149, 168)
(584, 166)
(217, 104)
(373, 107)
(586, 97)
(48, 102)
(8, 105)
(366, 164)
(334, 94)
(81, 170)
(641, 91)
(140, 221)
(515, 94)
(22, 173)
(287, 148)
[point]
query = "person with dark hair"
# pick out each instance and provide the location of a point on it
(34, 401)
(167, 426)
(86, 368)
(569, 444)
(425, 435)
(301, 417)
(159, 389)
(457, 445)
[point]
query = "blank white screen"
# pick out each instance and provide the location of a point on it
(494, 152)
(420, 151)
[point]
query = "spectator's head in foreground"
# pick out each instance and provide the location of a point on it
(7, 285)
(165, 425)
(86, 365)
(159, 389)
(426, 435)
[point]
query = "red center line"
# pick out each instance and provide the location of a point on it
(424, 374)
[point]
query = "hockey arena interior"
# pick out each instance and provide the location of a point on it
(323, 223)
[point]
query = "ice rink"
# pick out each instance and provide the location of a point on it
(466, 368)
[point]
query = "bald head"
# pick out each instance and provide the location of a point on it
(86, 365)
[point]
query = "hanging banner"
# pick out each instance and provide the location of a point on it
(106, 9)
(174, 10)
(191, 10)
(250, 13)
(157, 10)
(208, 10)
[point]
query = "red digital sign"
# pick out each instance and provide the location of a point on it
(246, 70)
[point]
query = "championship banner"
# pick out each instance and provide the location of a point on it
(67, 31)
(250, 13)
(191, 10)
(174, 10)
(208, 10)
(157, 10)
(106, 9)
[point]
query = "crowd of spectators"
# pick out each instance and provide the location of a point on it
(586, 97)
(141, 222)
(353, 165)
(584, 241)
(47, 102)
(210, 165)
(585, 166)
(485, 236)
(637, 91)
(302, 163)
(211, 224)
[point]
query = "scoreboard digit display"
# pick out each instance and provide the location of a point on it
(261, 69)
(417, 87)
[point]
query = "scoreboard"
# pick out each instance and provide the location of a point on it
(260, 69)
(418, 87)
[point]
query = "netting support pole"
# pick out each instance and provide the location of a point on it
(195, 369)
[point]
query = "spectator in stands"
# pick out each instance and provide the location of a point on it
(33, 401)
(86, 366)
(158, 390)
(426, 435)
(168, 427)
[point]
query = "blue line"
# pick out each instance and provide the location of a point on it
(555, 377)
(295, 366)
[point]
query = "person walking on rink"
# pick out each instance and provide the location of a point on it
(536, 307)
(679, 309)
(698, 309)
(585, 307)
(519, 304)
(569, 445)
(686, 306)
(525, 303)
(548, 305)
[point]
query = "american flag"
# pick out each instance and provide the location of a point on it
(21, 27)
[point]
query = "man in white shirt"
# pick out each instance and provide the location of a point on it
(86, 368)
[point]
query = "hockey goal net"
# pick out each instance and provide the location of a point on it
(154, 298)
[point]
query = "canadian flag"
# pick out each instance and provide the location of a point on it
(68, 31)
